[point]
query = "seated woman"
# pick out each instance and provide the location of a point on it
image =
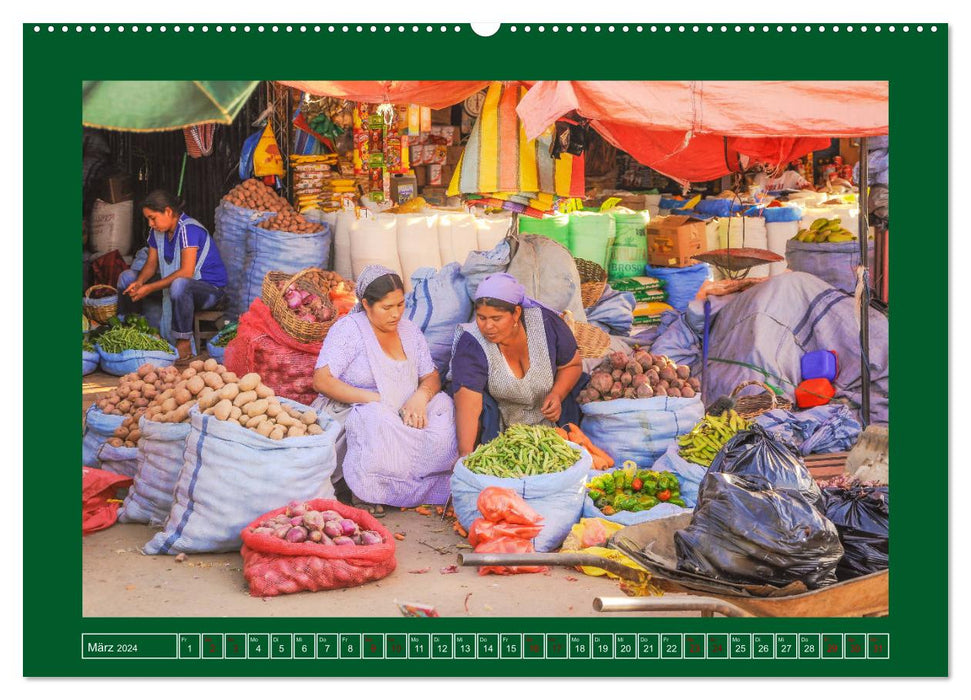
(518, 363)
(191, 275)
(376, 376)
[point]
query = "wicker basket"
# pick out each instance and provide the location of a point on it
(752, 406)
(593, 281)
(591, 341)
(309, 280)
(100, 310)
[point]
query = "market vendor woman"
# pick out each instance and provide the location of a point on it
(191, 273)
(375, 376)
(518, 363)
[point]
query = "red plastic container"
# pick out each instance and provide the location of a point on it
(814, 392)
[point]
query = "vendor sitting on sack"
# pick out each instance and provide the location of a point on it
(376, 377)
(518, 363)
(191, 273)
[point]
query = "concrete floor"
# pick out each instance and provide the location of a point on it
(119, 581)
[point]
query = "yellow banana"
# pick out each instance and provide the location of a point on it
(818, 224)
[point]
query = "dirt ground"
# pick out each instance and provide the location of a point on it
(119, 581)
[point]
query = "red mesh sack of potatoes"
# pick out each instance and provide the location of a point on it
(273, 566)
(284, 364)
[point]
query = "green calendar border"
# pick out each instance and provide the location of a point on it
(915, 63)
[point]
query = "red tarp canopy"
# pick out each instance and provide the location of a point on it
(436, 94)
(688, 130)
(696, 130)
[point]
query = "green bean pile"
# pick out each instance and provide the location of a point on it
(124, 338)
(523, 450)
(225, 336)
(86, 344)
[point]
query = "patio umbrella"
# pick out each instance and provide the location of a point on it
(162, 105)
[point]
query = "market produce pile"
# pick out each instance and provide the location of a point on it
(708, 437)
(86, 345)
(226, 335)
(253, 194)
(639, 376)
(132, 397)
(133, 334)
(250, 403)
(523, 450)
(825, 231)
(305, 304)
(301, 523)
(633, 490)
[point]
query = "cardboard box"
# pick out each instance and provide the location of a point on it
(673, 241)
(118, 188)
(451, 134)
(442, 116)
(421, 175)
(436, 175)
(447, 172)
(403, 188)
(434, 196)
(455, 154)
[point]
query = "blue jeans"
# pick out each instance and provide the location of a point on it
(187, 296)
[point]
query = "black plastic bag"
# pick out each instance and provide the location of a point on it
(862, 518)
(757, 454)
(745, 532)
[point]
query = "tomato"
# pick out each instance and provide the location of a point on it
(664, 495)
(637, 484)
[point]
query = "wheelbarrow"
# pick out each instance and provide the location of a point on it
(651, 544)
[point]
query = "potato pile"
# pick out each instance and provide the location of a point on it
(639, 376)
(253, 194)
(173, 404)
(253, 405)
(132, 397)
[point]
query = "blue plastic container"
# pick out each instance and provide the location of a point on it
(820, 364)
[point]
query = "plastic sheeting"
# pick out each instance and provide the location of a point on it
(696, 130)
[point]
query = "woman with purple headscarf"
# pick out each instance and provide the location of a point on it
(375, 375)
(518, 363)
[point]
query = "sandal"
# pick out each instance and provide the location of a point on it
(375, 509)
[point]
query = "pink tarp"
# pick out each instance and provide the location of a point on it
(436, 94)
(697, 130)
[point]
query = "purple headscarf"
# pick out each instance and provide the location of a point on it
(364, 280)
(505, 287)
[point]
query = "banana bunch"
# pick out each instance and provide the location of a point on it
(709, 436)
(825, 231)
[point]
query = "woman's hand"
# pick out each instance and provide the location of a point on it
(552, 407)
(413, 412)
(133, 287)
(142, 291)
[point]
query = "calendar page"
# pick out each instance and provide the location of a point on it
(424, 349)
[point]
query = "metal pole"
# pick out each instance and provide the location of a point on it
(706, 605)
(288, 179)
(864, 230)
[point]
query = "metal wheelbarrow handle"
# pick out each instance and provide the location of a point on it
(554, 559)
(706, 605)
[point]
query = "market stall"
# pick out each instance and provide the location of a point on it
(386, 176)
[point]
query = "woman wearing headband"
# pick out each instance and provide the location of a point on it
(375, 375)
(518, 363)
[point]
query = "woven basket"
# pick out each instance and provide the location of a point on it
(593, 281)
(752, 406)
(309, 280)
(591, 341)
(100, 310)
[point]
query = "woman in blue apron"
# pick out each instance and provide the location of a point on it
(376, 377)
(191, 275)
(518, 363)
